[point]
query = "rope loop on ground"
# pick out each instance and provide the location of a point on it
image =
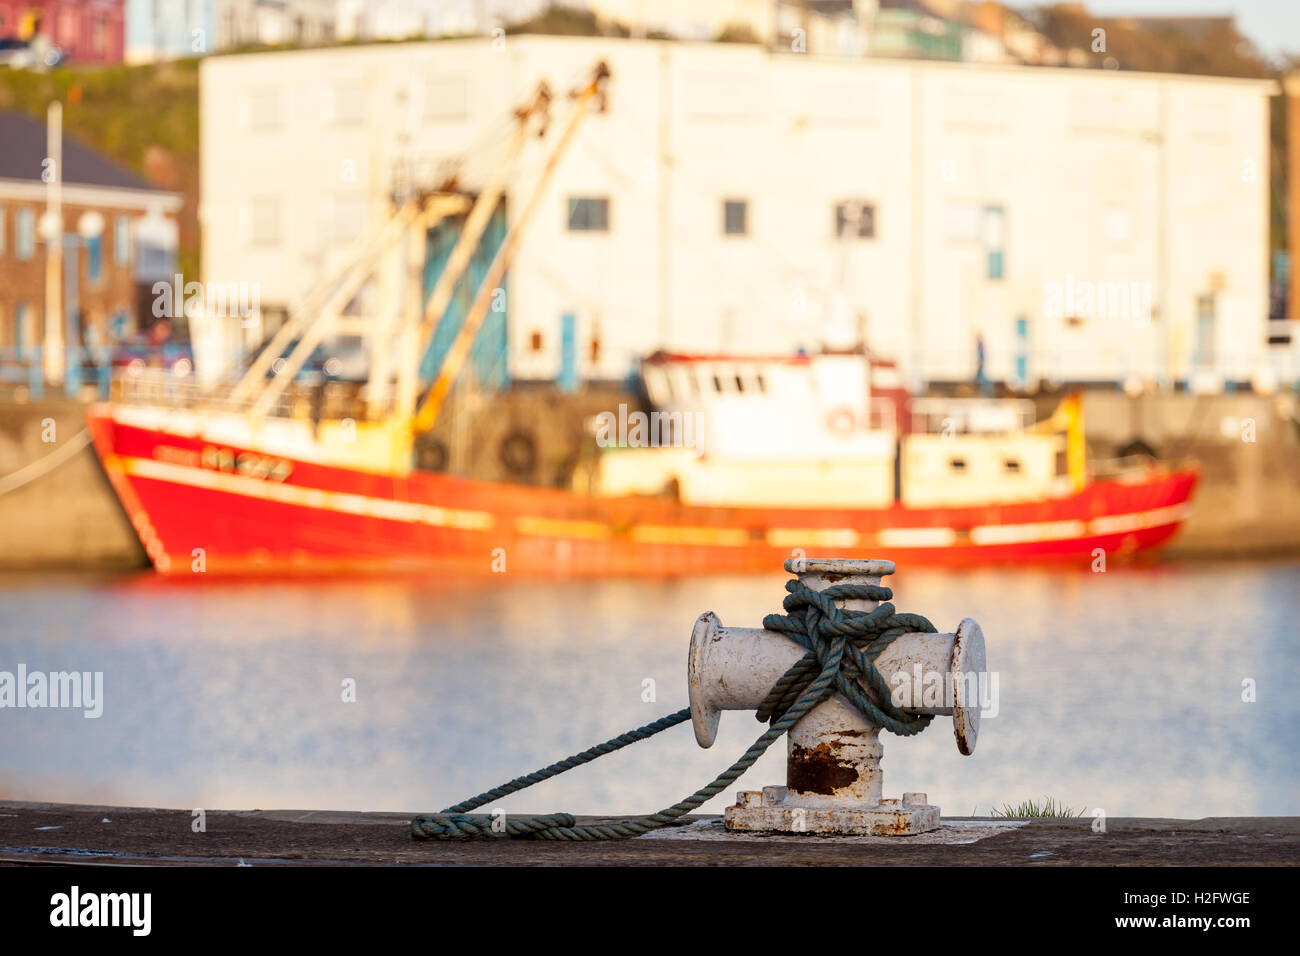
(842, 647)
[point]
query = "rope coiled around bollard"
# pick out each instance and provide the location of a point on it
(841, 648)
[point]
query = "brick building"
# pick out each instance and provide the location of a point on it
(118, 236)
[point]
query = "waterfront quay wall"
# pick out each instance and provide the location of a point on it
(68, 516)
(1248, 447)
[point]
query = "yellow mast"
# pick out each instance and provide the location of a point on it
(1068, 417)
(459, 351)
(478, 218)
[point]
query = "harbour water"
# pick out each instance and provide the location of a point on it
(1129, 691)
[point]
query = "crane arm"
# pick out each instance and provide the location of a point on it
(427, 416)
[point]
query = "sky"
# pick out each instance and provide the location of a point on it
(1273, 25)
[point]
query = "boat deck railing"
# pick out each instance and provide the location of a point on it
(971, 415)
(1140, 464)
(1124, 465)
(299, 400)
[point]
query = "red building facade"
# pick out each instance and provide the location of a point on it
(87, 31)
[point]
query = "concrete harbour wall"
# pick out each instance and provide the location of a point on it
(69, 516)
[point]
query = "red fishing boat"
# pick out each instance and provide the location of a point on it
(208, 491)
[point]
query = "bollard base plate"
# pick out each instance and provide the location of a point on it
(776, 810)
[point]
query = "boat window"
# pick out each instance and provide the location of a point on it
(535, 341)
(762, 385)
(1012, 465)
(740, 383)
(957, 464)
(717, 383)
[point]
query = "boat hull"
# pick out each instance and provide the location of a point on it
(231, 510)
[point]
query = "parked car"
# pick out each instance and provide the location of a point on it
(38, 54)
(333, 362)
(141, 353)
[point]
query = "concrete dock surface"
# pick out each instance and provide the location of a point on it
(72, 834)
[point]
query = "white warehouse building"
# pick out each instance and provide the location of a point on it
(1081, 225)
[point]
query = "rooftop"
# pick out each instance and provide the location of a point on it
(25, 150)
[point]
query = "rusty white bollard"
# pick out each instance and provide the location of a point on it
(833, 779)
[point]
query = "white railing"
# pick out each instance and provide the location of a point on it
(162, 388)
(971, 415)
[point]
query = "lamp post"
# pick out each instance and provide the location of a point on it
(90, 227)
(51, 230)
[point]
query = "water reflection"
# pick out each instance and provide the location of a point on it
(1120, 690)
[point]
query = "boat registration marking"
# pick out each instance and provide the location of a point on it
(411, 512)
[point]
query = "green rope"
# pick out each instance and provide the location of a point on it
(841, 648)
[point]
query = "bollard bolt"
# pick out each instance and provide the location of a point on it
(833, 777)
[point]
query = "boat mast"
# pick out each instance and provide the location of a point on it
(427, 417)
(314, 328)
(419, 333)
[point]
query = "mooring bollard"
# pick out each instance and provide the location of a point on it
(849, 668)
(833, 778)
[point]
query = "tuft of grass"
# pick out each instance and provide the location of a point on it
(1027, 809)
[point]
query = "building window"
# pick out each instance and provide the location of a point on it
(588, 214)
(117, 326)
(855, 220)
(25, 240)
(264, 110)
(265, 225)
(995, 264)
(95, 259)
(446, 98)
(24, 340)
(1116, 225)
(995, 241)
(122, 241)
(1203, 357)
(347, 217)
(735, 217)
(346, 105)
